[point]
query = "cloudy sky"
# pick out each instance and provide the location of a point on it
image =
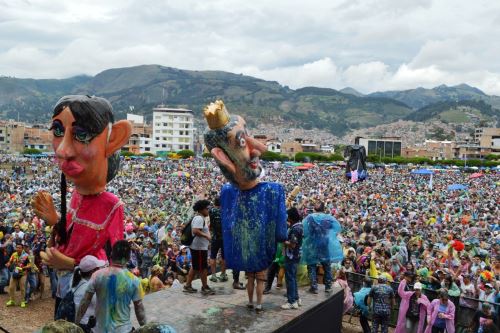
(370, 45)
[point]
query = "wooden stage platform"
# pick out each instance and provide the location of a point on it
(226, 311)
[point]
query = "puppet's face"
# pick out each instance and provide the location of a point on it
(81, 157)
(243, 152)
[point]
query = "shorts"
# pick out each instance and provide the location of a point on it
(260, 276)
(199, 259)
(214, 249)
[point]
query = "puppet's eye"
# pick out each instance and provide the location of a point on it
(81, 134)
(243, 142)
(57, 129)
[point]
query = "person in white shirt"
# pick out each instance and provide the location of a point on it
(88, 265)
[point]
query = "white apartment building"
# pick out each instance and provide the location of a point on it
(173, 129)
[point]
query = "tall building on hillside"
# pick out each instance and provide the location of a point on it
(141, 140)
(173, 129)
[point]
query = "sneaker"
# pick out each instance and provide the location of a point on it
(289, 306)
(10, 303)
(189, 289)
(214, 278)
(313, 291)
(299, 302)
(238, 286)
(328, 290)
(24, 304)
(207, 291)
(258, 308)
(223, 278)
(266, 291)
(250, 305)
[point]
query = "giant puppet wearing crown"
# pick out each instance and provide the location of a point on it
(86, 142)
(253, 212)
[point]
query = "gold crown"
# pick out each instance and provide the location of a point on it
(216, 115)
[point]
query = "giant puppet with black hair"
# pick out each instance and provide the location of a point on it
(86, 142)
(253, 212)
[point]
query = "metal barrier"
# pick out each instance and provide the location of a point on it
(463, 315)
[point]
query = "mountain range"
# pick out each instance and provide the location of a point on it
(139, 89)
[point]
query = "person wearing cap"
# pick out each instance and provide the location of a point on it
(115, 287)
(81, 277)
(441, 314)
(382, 297)
(488, 294)
(413, 307)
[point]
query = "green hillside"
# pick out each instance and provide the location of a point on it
(144, 87)
(420, 97)
(457, 112)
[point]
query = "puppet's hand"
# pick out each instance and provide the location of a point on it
(44, 208)
(55, 259)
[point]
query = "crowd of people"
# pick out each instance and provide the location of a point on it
(395, 227)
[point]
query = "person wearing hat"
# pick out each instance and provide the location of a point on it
(413, 307)
(81, 277)
(115, 287)
(382, 297)
(441, 314)
(488, 294)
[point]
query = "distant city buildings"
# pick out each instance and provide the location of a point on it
(17, 136)
(485, 141)
(173, 130)
(141, 140)
(383, 146)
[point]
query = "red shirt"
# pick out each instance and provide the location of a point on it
(95, 220)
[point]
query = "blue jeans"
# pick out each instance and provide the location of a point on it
(327, 278)
(53, 281)
(4, 278)
(30, 285)
(292, 293)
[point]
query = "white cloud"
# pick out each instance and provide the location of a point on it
(369, 45)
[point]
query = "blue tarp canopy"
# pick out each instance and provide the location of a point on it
(422, 172)
(457, 187)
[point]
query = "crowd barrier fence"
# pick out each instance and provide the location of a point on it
(463, 315)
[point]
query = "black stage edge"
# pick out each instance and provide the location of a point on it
(322, 318)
